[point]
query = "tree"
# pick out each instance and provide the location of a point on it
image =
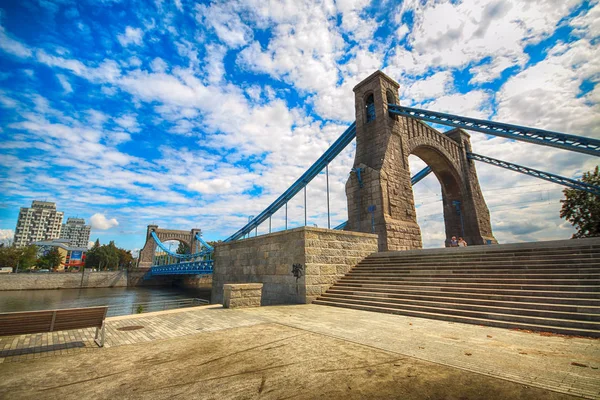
(54, 258)
(183, 248)
(582, 209)
(125, 258)
(108, 257)
(9, 257)
(28, 257)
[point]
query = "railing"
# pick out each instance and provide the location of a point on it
(150, 306)
(186, 268)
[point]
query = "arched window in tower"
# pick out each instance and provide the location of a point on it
(391, 99)
(370, 107)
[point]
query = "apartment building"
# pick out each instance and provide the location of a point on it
(76, 231)
(38, 223)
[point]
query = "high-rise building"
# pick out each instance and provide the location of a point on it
(76, 231)
(40, 222)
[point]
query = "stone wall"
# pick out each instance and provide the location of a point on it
(195, 282)
(88, 279)
(323, 254)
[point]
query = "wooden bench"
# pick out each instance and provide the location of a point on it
(20, 323)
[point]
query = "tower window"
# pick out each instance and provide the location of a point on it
(370, 106)
(391, 99)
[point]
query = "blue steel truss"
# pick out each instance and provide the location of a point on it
(335, 149)
(206, 245)
(341, 226)
(561, 180)
(164, 248)
(188, 268)
(547, 138)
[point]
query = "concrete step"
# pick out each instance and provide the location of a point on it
(506, 263)
(461, 254)
(482, 314)
(538, 327)
(521, 309)
(514, 291)
(585, 275)
(547, 286)
(515, 249)
(476, 279)
(474, 270)
(420, 294)
(524, 284)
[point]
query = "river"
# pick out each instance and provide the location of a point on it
(121, 301)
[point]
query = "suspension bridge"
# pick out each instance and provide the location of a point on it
(379, 190)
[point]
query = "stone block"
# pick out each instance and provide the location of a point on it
(242, 295)
(328, 270)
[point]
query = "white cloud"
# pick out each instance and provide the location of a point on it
(128, 122)
(455, 35)
(226, 23)
(432, 87)
(158, 65)
(546, 95)
(64, 82)
(402, 31)
(12, 46)
(100, 222)
(131, 36)
(213, 186)
(6, 236)
(178, 5)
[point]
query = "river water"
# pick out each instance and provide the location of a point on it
(121, 301)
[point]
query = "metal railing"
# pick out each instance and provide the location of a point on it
(151, 306)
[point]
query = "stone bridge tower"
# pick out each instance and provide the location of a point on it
(147, 252)
(379, 188)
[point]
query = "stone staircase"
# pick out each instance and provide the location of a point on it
(543, 286)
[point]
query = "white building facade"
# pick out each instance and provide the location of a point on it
(76, 231)
(40, 222)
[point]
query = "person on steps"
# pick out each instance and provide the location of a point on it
(453, 242)
(462, 242)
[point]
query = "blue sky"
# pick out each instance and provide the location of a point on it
(188, 115)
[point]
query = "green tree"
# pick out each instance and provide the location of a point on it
(28, 257)
(582, 209)
(9, 256)
(108, 256)
(183, 248)
(54, 258)
(50, 260)
(91, 258)
(125, 258)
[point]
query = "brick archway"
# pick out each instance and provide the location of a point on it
(147, 252)
(383, 144)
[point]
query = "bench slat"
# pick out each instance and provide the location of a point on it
(18, 323)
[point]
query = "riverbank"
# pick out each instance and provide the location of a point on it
(303, 351)
(100, 279)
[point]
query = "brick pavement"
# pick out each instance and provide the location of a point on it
(567, 365)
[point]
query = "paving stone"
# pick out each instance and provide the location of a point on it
(493, 351)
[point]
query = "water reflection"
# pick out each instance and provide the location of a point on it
(120, 298)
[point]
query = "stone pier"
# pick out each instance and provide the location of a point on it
(294, 266)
